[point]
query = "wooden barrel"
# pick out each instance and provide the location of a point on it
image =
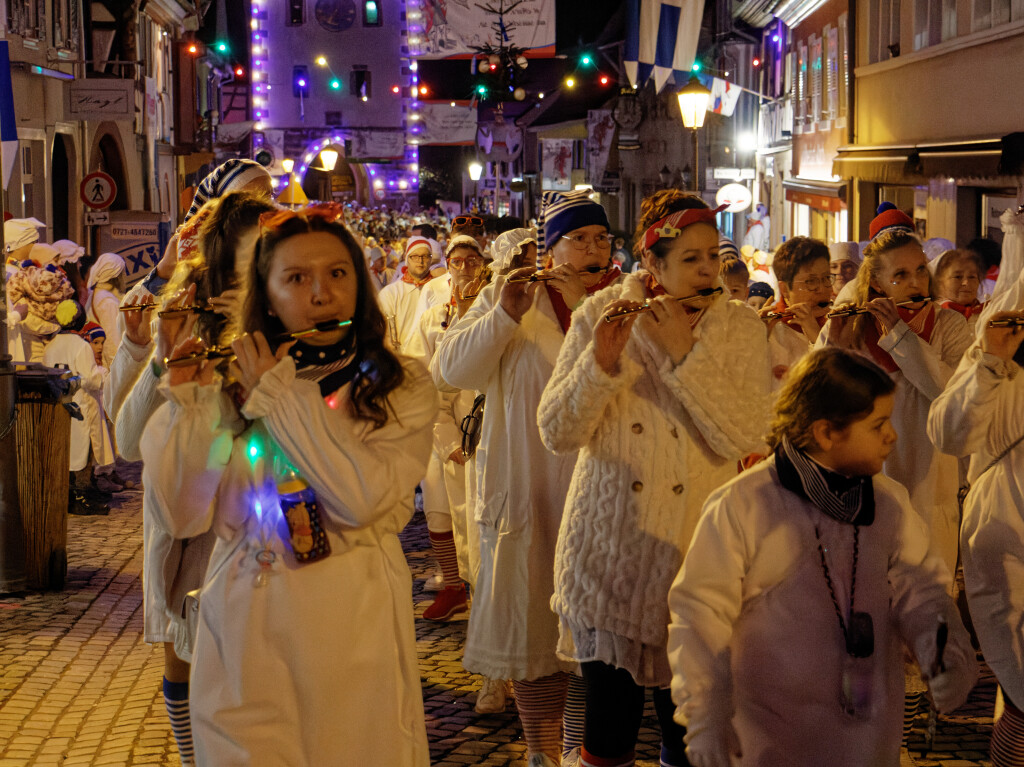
(44, 444)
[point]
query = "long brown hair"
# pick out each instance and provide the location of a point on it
(871, 269)
(379, 371)
(832, 383)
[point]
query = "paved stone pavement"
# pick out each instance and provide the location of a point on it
(78, 686)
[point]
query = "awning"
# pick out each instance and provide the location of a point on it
(883, 165)
(823, 195)
(984, 158)
(574, 129)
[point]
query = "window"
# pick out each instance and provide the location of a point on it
(831, 61)
(372, 14)
(844, 64)
(362, 83)
(815, 80)
(296, 13)
(884, 30)
(65, 24)
(802, 116)
(934, 21)
(986, 14)
(25, 18)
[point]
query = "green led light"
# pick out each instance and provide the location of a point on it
(586, 59)
(336, 85)
(482, 90)
(696, 66)
(222, 47)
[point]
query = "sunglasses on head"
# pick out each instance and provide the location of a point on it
(468, 221)
(329, 212)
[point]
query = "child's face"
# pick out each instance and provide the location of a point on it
(312, 279)
(737, 287)
(960, 283)
(691, 264)
(97, 348)
(861, 448)
(756, 301)
(810, 285)
(903, 274)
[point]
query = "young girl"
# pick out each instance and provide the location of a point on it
(106, 286)
(919, 344)
(801, 266)
(660, 409)
(806, 576)
(305, 651)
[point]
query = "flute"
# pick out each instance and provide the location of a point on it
(194, 309)
(849, 311)
(137, 307)
(646, 305)
(787, 313)
(225, 352)
(544, 276)
(1007, 322)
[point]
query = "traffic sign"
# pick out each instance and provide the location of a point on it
(97, 190)
(97, 217)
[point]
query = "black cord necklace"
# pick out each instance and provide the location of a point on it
(859, 633)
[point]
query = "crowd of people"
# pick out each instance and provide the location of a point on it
(729, 476)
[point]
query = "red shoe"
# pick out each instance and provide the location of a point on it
(449, 601)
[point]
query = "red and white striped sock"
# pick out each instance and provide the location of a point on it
(1007, 746)
(447, 557)
(540, 703)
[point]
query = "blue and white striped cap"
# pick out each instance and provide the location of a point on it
(563, 212)
(228, 177)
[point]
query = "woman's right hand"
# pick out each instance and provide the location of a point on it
(200, 371)
(517, 297)
(610, 338)
(172, 330)
(1003, 342)
(465, 298)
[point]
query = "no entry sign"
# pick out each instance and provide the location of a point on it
(97, 190)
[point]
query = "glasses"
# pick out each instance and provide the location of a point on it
(816, 283)
(582, 241)
(468, 221)
(461, 262)
(329, 212)
(903, 276)
(419, 257)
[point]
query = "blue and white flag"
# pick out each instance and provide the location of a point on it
(661, 40)
(8, 127)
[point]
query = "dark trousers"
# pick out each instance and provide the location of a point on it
(615, 709)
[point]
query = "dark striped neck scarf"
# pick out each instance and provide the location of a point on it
(850, 500)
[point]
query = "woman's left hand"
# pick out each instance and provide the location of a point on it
(199, 371)
(566, 280)
(668, 327)
(254, 358)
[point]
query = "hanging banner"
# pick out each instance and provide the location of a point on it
(724, 96)
(442, 124)
(8, 125)
(556, 154)
(600, 131)
(441, 29)
(374, 145)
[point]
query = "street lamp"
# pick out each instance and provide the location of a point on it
(328, 158)
(475, 169)
(693, 105)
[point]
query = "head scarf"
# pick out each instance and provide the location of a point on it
(70, 251)
(19, 232)
(673, 224)
(229, 177)
(44, 254)
(106, 268)
(508, 245)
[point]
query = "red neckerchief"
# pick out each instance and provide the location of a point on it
(992, 273)
(791, 322)
(921, 321)
(563, 312)
(418, 283)
(966, 311)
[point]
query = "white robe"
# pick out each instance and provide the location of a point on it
(981, 414)
(786, 347)
(520, 486)
(102, 308)
(318, 666)
(72, 350)
(755, 638)
(398, 302)
(931, 478)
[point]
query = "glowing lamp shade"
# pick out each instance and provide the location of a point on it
(329, 158)
(693, 103)
(288, 164)
(475, 169)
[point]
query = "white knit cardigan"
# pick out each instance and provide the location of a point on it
(654, 441)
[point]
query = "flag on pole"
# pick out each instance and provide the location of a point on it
(724, 96)
(8, 127)
(661, 40)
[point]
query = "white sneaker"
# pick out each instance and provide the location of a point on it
(492, 696)
(540, 760)
(434, 583)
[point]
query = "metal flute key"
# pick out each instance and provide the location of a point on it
(849, 311)
(1007, 322)
(787, 314)
(196, 309)
(225, 352)
(646, 305)
(137, 307)
(544, 276)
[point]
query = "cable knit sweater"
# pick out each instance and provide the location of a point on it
(654, 441)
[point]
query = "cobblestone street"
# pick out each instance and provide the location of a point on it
(78, 686)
